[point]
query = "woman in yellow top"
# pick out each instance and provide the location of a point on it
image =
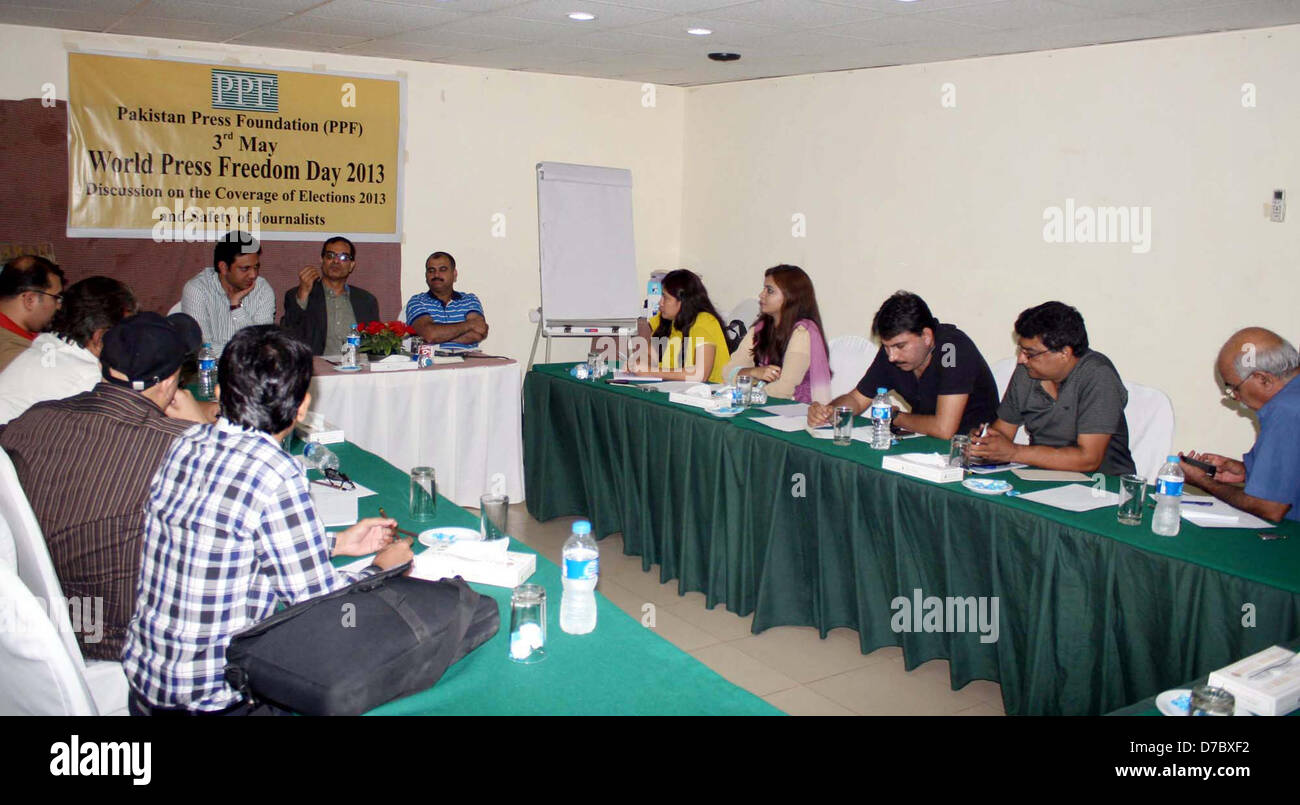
(686, 316)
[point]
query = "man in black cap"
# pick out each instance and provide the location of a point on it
(85, 463)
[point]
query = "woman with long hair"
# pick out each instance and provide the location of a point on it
(786, 347)
(686, 339)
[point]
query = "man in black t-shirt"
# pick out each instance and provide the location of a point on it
(934, 367)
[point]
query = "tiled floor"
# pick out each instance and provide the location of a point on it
(791, 667)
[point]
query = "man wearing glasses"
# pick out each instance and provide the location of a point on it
(1257, 367)
(320, 312)
(1069, 398)
(31, 290)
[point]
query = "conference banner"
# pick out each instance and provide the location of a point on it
(184, 151)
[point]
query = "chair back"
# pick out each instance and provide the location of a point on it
(37, 675)
(850, 355)
(1150, 417)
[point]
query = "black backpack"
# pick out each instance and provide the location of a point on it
(400, 635)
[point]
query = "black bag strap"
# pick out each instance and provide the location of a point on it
(289, 613)
(467, 602)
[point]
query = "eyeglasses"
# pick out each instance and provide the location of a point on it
(336, 480)
(58, 297)
(1233, 391)
(342, 257)
(1029, 356)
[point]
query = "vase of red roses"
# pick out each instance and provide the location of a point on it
(383, 338)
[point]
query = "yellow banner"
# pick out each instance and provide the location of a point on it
(185, 151)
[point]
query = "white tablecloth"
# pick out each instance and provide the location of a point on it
(462, 420)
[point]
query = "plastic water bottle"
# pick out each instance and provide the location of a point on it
(580, 571)
(882, 412)
(350, 346)
(319, 457)
(207, 371)
(1169, 499)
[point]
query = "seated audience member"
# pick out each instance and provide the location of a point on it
(230, 295)
(785, 347)
(66, 361)
(935, 367)
(31, 290)
(86, 463)
(443, 315)
(1259, 369)
(320, 312)
(1069, 398)
(230, 532)
(686, 316)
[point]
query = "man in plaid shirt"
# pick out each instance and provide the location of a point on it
(230, 532)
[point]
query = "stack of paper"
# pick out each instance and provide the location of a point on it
(926, 466)
(394, 363)
(788, 424)
(512, 571)
(313, 428)
(1219, 514)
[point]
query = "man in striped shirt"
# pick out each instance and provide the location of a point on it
(231, 295)
(85, 463)
(443, 315)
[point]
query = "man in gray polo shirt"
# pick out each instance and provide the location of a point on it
(1069, 398)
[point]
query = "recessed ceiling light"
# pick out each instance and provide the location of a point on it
(581, 16)
(698, 31)
(725, 56)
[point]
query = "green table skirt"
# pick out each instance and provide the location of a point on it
(1092, 615)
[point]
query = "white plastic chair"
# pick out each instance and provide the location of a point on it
(176, 308)
(37, 676)
(746, 310)
(106, 680)
(850, 355)
(1150, 417)
(1002, 372)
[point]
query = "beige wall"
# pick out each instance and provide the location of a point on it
(472, 139)
(897, 191)
(900, 192)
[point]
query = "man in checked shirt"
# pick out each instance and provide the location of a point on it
(230, 532)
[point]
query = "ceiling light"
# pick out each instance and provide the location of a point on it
(698, 31)
(581, 16)
(725, 56)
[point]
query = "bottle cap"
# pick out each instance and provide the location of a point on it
(1172, 459)
(582, 527)
(882, 390)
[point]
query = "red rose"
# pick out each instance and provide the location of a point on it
(374, 328)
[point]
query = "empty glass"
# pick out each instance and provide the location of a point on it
(1208, 701)
(957, 450)
(424, 494)
(494, 511)
(745, 385)
(843, 420)
(1132, 496)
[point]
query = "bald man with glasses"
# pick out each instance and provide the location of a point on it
(322, 309)
(1257, 367)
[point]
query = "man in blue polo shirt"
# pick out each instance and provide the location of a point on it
(1259, 368)
(443, 315)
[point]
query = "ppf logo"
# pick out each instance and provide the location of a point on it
(250, 92)
(1082, 224)
(93, 759)
(950, 614)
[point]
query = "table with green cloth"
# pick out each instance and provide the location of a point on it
(1093, 615)
(622, 668)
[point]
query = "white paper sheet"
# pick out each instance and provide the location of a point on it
(1031, 474)
(635, 378)
(1220, 515)
(1075, 497)
(788, 424)
(793, 409)
(1010, 465)
(678, 386)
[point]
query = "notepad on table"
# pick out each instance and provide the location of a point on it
(1074, 497)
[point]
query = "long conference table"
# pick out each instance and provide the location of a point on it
(622, 668)
(462, 419)
(1093, 615)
